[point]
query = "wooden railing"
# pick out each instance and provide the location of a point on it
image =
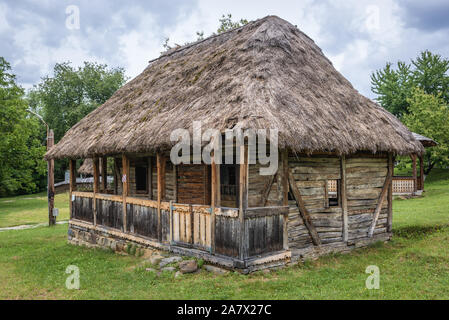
(403, 185)
(264, 229)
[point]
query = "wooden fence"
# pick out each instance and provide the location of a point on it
(403, 185)
(222, 231)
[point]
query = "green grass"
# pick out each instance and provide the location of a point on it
(414, 265)
(31, 209)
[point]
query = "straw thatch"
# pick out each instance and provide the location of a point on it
(426, 142)
(87, 168)
(267, 74)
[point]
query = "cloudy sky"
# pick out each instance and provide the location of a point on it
(357, 36)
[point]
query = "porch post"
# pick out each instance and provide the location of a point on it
(284, 157)
(72, 182)
(243, 197)
(415, 179)
(104, 174)
(160, 190)
(390, 194)
(343, 197)
(95, 163)
(215, 198)
(125, 187)
(421, 171)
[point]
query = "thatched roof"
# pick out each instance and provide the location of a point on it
(87, 168)
(267, 74)
(426, 142)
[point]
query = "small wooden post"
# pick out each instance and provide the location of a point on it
(160, 190)
(421, 171)
(125, 187)
(51, 180)
(96, 187)
(175, 183)
(415, 179)
(72, 183)
(285, 190)
(343, 197)
(150, 178)
(390, 194)
(104, 174)
(116, 175)
(243, 198)
(215, 198)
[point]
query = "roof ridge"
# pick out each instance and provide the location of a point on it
(169, 53)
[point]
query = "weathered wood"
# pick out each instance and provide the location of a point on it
(104, 174)
(265, 211)
(386, 186)
(160, 189)
(125, 187)
(215, 199)
(302, 209)
(421, 172)
(415, 178)
(72, 183)
(284, 178)
(150, 178)
(116, 175)
(243, 197)
(343, 197)
(175, 183)
(390, 195)
(266, 190)
(96, 172)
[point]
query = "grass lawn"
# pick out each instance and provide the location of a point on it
(31, 209)
(415, 265)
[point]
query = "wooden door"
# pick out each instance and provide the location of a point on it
(193, 184)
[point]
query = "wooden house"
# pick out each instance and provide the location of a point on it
(331, 192)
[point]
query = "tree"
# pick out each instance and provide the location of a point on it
(22, 167)
(429, 115)
(226, 23)
(70, 94)
(395, 86)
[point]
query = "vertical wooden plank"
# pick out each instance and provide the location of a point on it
(215, 198)
(182, 226)
(285, 190)
(160, 189)
(175, 183)
(125, 187)
(243, 198)
(421, 171)
(104, 174)
(390, 194)
(415, 179)
(202, 229)
(343, 196)
(116, 175)
(150, 178)
(176, 226)
(171, 221)
(72, 182)
(96, 187)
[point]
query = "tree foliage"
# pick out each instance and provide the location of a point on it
(22, 168)
(226, 23)
(429, 115)
(395, 86)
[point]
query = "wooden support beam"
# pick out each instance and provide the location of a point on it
(104, 174)
(160, 190)
(175, 183)
(150, 178)
(215, 198)
(284, 179)
(116, 175)
(302, 210)
(96, 187)
(343, 197)
(72, 182)
(390, 194)
(266, 190)
(415, 179)
(243, 198)
(421, 171)
(125, 187)
(386, 186)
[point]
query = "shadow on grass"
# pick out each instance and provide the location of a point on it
(418, 232)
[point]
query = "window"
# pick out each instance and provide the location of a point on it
(333, 192)
(228, 185)
(141, 179)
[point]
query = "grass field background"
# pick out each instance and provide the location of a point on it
(414, 265)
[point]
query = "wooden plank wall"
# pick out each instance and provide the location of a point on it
(311, 174)
(365, 178)
(263, 190)
(83, 209)
(110, 213)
